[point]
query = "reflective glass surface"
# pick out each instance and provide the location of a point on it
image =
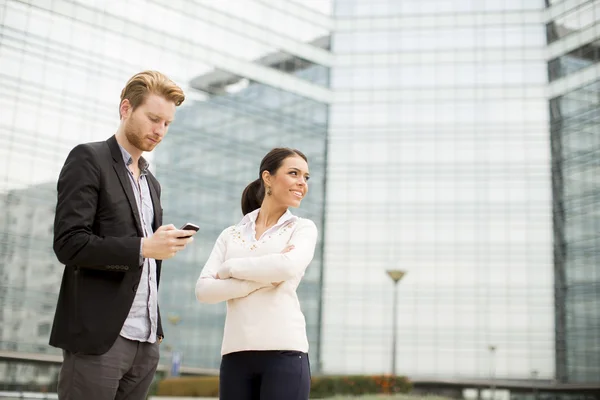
(576, 165)
(214, 150)
(575, 133)
(575, 60)
(438, 164)
(574, 20)
(62, 67)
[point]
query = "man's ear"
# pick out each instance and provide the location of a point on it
(125, 109)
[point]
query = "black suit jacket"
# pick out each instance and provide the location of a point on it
(97, 235)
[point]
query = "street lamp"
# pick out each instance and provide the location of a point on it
(534, 375)
(175, 319)
(396, 275)
(492, 349)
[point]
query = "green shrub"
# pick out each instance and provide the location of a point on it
(200, 386)
(327, 386)
(321, 386)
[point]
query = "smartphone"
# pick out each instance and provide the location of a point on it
(189, 227)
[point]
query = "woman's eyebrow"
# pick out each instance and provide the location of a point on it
(297, 169)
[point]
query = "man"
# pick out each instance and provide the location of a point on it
(108, 233)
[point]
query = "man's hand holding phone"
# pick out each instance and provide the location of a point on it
(167, 241)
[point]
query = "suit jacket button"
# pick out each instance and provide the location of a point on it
(135, 288)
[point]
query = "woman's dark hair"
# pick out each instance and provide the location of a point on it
(254, 193)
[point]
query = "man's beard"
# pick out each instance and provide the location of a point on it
(135, 137)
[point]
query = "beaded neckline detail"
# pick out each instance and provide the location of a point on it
(237, 237)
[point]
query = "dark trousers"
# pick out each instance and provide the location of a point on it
(124, 372)
(264, 375)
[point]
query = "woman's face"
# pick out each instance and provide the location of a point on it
(289, 184)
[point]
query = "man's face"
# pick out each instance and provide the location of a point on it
(148, 124)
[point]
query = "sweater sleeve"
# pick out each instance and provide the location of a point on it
(211, 290)
(280, 266)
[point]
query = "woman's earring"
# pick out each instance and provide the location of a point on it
(268, 190)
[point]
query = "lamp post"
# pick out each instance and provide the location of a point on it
(534, 375)
(396, 275)
(175, 354)
(492, 349)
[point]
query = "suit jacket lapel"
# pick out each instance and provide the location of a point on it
(119, 166)
(155, 201)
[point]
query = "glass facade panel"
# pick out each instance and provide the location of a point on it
(270, 15)
(438, 168)
(309, 71)
(440, 155)
(574, 20)
(247, 23)
(298, 66)
(62, 67)
(213, 152)
(576, 166)
(575, 60)
(439, 75)
(373, 8)
(439, 39)
(575, 133)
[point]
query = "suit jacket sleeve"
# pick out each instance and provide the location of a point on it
(74, 241)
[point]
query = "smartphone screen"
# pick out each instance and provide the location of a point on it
(189, 227)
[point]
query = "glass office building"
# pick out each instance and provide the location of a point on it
(439, 165)
(214, 150)
(574, 73)
(256, 75)
(454, 139)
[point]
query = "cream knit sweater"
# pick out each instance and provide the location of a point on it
(259, 284)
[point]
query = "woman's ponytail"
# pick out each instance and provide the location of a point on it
(252, 196)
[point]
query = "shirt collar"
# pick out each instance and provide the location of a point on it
(142, 163)
(250, 218)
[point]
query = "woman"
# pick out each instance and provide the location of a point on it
(256, 267)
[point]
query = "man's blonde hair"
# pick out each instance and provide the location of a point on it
(143, 83)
